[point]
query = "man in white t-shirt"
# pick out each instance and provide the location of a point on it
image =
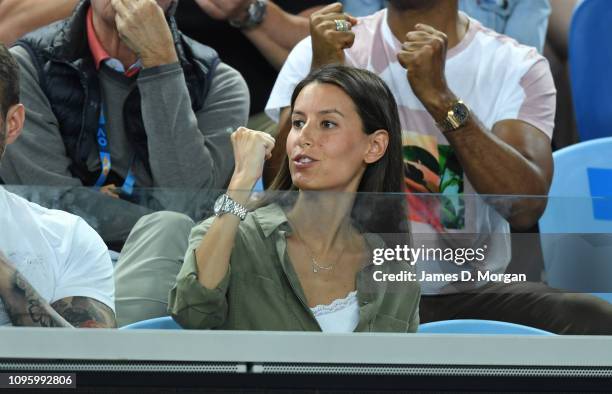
(55, 271)
(477, 112)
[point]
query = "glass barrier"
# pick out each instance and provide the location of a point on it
(339, 262)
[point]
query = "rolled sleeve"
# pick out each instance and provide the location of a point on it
(194, 306)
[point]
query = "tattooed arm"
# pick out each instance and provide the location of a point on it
(25, 307)
(85, 312)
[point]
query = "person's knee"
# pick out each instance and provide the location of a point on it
(588, 314)
(165, 225)
(166, 220)
(149, 264)
(156, 240)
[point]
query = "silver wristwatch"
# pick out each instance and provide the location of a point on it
(255, 15)
(225, 204)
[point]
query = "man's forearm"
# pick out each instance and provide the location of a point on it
(496, 168)
(493, 166)
(192, 150)
(282, 28)
(178, 154)
(275, 54)
(18, 17)
(278, 34)
(24, 305)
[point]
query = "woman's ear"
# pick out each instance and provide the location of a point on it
(15, 119)
(377, 146)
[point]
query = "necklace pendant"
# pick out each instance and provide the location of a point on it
(314, 266)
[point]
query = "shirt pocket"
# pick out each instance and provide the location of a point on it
(387, 323)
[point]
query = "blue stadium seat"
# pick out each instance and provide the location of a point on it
(576, 228)
(590, 55)
(487, 327)
(605, 296)
(160, 323)
(259, 186)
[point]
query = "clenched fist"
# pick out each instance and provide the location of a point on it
(143, 28)
(423, 54)
(328, 44)
(251, 149)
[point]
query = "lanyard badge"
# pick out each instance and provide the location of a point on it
(105, 159)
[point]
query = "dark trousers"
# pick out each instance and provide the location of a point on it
(530, 304)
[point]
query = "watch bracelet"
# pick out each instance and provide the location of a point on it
(248, 22)
(238, 209)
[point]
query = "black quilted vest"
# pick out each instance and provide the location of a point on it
(69, 79)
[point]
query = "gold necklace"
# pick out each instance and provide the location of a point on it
(316, 267)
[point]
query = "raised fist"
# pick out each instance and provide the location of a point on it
(328, 38)
(423, 54)
(251, 149)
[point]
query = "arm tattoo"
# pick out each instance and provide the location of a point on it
(85, 312)
(26, 308)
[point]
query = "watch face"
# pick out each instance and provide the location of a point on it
(461, 112)
(219, 203)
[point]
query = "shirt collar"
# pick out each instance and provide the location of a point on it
(270, 218)
(100, 55)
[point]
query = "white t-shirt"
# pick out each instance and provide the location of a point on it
(495, 76)
(58, 253)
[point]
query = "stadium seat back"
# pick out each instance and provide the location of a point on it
(590, 54)
(160, 323)
(478, 327)
(576, 228)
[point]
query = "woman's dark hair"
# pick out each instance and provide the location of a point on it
(377, 109)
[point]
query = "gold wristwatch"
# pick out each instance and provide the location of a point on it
(456, 117)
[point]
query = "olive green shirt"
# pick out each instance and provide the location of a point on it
(261, 290)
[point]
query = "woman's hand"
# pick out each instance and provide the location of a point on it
(251, 149)
(328, 44)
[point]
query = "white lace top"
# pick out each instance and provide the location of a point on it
(341, 315)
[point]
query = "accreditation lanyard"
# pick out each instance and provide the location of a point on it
(105, 159)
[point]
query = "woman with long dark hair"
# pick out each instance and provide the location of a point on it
(303, 259)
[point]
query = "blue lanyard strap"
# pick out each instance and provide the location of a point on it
(105, 159)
